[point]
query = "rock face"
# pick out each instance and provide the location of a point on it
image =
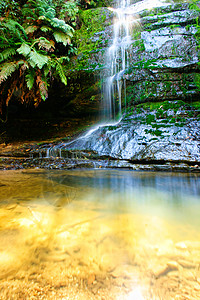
(142, 137)
(163, 66)
(164, 57)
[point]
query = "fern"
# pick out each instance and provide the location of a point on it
(7, 53)
(7, 69)
(47, 69)
(71, 9)
(61, 37)
(63, 58)
(15, 29)
(37, 59)
(43, 43)
(50, 13)
(24, 49)
(61, 25)
(45, 28)
(34, 37)
(30, 79)
(61, 73)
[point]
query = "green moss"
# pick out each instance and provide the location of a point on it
(197, 81)
(156, 132)
(195, 104)
(93, 21)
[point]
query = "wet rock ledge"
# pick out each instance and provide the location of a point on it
(162, 139)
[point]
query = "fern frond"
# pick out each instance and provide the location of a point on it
(7, 69)
(46, 28)
(7, 53)
(50, 13)
(30, 79)
(63, 58)
(29, 12)
(24, 49)
(37, 59)
(61, 73)
(47, 70)
(62, 26)
(61, 37)
(45, 44)
(15, 29)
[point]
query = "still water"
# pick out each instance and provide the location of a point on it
(99, 234)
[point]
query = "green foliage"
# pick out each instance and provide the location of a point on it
(4, 55)
(31, 50)
(61, 73)
(61, 37)
(159, 119)
(30, 79)
(37, 59)
(9, 7)
(69, 11)
(156, 132)
(7, 69)
(150, 119)
(194, 5)
(24, 49)
(93, 21)
(197, 81)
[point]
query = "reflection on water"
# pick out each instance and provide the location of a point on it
(99, 234)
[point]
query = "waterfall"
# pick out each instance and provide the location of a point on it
(117, 55)
(117, 62)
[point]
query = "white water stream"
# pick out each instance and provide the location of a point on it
(117, 55)
(117, 62)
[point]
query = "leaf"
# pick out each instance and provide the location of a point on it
(47, 70)
(24, 49)
(45, 28)
(30, 79)
(7, 53)
(31, 29)
(46, 44)
(37, 59)
(50, 13)
(15, 29)
(7, 69)
(61, 73)
(62, 26)
(61, 37)
(63, 58)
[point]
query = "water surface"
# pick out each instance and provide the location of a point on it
(99, 234)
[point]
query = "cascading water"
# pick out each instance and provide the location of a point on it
(117, 56)
(117, 63)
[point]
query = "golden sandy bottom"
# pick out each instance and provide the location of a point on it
(83, 250)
